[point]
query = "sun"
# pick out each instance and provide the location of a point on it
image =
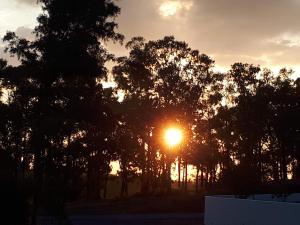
(169, 8)
(173, 136)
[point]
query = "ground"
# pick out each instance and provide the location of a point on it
(176, 203)
(132, 219)
(157, 210)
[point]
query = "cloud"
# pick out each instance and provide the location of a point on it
(168, 9)
(287, 39)
(14, 15)
(243, 28)
(230, 30)
(22, 32)
(25, 32)
(28, 2)
(7, 57)
(264, 32)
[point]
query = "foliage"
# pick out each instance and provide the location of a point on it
(60, 129)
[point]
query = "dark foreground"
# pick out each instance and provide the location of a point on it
(174, 204)
(160, 210)
(131, 219)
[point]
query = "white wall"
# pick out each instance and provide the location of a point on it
(233, 211)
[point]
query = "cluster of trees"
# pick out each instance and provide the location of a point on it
(60, 129)
(241, 127)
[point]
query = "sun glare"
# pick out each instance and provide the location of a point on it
(173, 136)
(169, 8)
(173, 7)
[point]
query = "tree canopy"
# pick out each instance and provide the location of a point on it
(61, 130)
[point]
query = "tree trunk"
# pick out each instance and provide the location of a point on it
(202, 178)
(275, 170)
(105, 185)
(197, 180)
(284, 168)
(183, 177)
(124, 189)
(186, 177)
(205, 181)
(144, 176)
(168, 173)
(38, 174)
(179, 170)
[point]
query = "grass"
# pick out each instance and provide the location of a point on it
(134, 187)
(177, 202)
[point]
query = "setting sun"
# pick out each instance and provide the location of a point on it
(173, 136)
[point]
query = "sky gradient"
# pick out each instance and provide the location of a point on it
(262, 32)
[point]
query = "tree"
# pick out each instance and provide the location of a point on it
(62, 69)
(163, 81)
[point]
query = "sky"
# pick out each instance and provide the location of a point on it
(262, 32)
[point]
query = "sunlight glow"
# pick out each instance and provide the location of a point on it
(173, 136)
(172, 7)
(169, 8)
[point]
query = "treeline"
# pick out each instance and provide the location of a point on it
(241, 127)
(60, 129)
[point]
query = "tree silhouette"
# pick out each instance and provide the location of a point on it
(60, 129)
(163, 81)
(58, 82)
